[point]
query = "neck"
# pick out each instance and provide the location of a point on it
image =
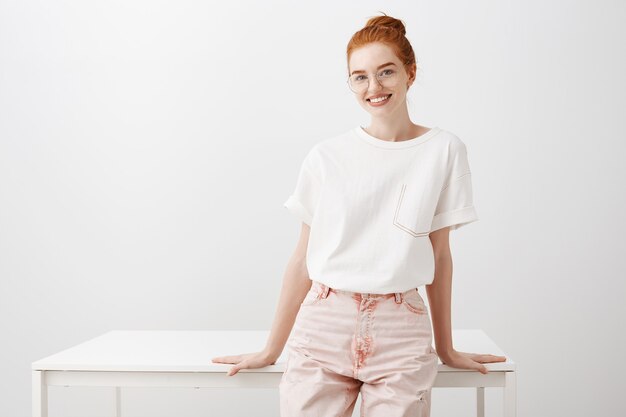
(394, 130)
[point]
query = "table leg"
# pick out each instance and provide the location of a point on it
(480, 401)
(118, 402)
(39, 394)
(510, 399)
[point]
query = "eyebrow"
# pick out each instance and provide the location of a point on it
(379, 67)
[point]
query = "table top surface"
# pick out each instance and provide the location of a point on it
(192, 350)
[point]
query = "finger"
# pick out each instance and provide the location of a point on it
(479, 367)
(226, 359)
(236, 368)
(487, 358)
(482, 369)
(494, 358)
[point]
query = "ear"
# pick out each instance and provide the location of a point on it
(411, 73)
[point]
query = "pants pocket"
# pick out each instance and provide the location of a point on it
(313, 296)
(414, 302)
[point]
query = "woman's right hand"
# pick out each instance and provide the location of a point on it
(246, 361)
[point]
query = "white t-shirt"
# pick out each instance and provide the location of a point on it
(371, 204)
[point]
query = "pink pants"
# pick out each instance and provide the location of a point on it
(343, 343)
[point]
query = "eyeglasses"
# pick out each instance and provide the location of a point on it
(359, 83)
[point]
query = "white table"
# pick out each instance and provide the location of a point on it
(145, 358)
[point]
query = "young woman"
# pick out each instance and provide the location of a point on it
(376, 206)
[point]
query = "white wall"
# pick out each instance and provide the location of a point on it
(147, 147)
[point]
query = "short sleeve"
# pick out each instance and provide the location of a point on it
(455, 207)
(303, 201)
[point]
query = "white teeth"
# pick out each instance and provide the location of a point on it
(378, 100)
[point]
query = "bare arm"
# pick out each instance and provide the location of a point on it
(296, 284)
(440, 301)
(440, 293)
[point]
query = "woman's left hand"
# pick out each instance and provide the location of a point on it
(466, 360)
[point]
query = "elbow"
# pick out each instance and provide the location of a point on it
(298, 266)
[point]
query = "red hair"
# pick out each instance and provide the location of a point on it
(387, 30)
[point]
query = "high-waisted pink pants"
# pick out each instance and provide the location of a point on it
(343, 343)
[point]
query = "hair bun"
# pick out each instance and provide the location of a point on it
(387, 21)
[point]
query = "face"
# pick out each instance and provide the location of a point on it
(370, 59)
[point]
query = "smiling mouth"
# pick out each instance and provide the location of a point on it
(388, 97)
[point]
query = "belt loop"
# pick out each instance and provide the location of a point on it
(398, 298)
(325, 290)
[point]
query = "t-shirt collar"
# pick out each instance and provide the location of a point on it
(362, 134)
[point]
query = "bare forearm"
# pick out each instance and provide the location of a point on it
(440, 301)
(296, 284)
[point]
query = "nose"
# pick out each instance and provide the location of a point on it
(374, 85)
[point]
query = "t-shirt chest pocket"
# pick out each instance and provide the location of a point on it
(415, 206)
